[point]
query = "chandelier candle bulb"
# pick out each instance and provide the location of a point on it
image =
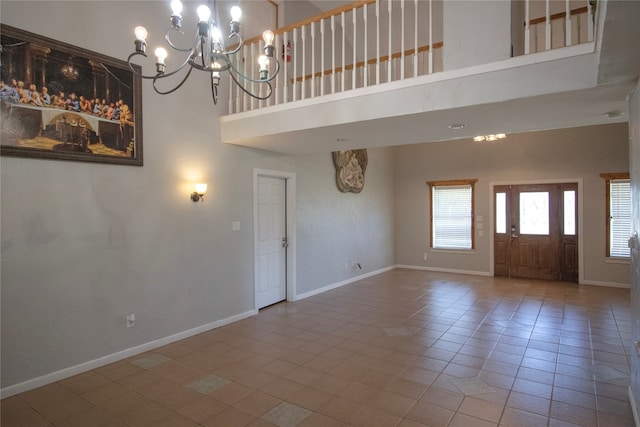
(161, 55)
(263, 61)
(235, 13)
(176, 8)
(141, 39)
(204, 13)
(176, 14)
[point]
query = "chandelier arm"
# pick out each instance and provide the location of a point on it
(156, 76)
(238, 46)
(175, 88)
(168, 39)
(249, 79)
(261, 98)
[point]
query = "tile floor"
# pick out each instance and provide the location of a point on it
(403, 348)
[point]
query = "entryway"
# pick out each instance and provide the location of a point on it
(536, 231)
(274, 237)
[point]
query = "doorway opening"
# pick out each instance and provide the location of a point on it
(536, 231)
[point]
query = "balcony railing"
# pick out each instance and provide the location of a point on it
(371, 42)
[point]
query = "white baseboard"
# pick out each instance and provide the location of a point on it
(606, 284)
(634, 408)
(445, 270)
(115, 357)
(342, 283)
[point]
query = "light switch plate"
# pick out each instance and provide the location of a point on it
(235, 225)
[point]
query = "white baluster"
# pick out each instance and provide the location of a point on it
(295, 64)
(415, 39)
(390, 52)
(377, 42)
(285, 65)
(344, 66)
(253, 85)
(304, 61)
(333, 55)
(365, 77)
(354, 71)
(321, 57)
(431, 36)
(313, 59)
(402, 40)
(275, 84)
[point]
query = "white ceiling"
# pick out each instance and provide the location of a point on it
(618, 68)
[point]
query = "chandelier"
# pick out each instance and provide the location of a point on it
(208, 53)
(70, 72)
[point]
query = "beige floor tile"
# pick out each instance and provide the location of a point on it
(399, 344)
(341, 409)
(229, 417)
(85, 382)
(231, 393)
(202, 409)
(482, 409)
(257, 403)
(319, 420)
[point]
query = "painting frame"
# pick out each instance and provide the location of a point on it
(62, 131)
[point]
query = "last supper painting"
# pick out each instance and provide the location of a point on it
(59, 101)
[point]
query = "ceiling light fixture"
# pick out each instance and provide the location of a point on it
(489, 138)
(208, 53)
(614, 114)
(456, 126)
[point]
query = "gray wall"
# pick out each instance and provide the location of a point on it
(634, 155)
(85, 244)
(546, 155)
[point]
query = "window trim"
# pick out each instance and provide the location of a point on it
(451, 183)
(608, 177)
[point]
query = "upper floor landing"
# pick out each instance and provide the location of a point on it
(381, 73)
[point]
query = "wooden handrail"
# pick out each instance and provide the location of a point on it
(559, 15)
(368, 62)
(317, 18)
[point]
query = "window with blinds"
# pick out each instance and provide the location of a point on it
(619, 217)
(618, 201)
(452, 214)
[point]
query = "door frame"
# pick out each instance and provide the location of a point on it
(580, 219)
(290, 191)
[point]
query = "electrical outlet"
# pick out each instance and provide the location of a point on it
(131, 320)
(426, 256)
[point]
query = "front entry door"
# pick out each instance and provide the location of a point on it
(271, 255)
(535, 231)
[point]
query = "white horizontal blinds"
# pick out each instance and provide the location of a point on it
(620, 217)
(452, 216)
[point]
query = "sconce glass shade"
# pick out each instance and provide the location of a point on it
(197, 195)
(201, 188)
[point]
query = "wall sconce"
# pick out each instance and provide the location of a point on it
(201, 189)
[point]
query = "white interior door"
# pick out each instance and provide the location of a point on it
(271, 251)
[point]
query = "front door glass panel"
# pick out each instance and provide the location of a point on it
(501, 212)
(534, 213)
(569, 213)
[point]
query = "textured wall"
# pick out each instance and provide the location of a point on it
(546, 155)
(85, 244)
(634, 154)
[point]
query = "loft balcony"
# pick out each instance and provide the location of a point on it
(362, 74)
